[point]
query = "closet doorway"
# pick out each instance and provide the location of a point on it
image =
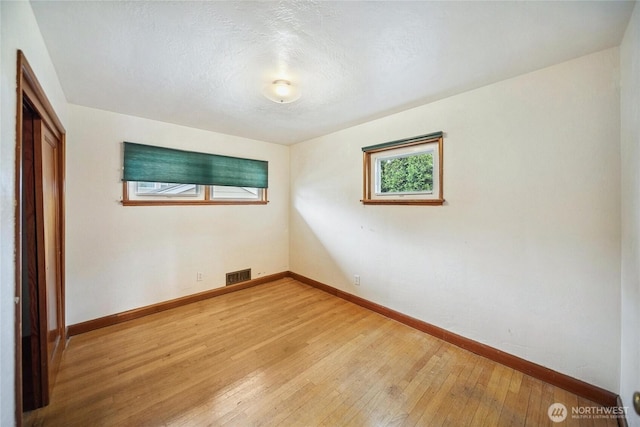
(40, 325)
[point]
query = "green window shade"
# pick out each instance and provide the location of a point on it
(391, 144)
(157, 164)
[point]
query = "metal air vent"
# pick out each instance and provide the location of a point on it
(238, 276)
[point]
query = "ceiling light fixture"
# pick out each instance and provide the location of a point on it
(282, 91)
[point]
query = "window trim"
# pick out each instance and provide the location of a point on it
(369, 171)
(126, 201)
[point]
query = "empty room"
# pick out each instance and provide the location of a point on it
(320, 213)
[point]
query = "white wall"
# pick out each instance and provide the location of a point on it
(18, 30)
(119, 258)
(630, 142)
(524, 256)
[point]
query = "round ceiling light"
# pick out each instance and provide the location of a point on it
(282, 91)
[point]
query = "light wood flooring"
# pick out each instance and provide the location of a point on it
(286, 354)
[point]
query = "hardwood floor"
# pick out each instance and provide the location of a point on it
(287, 354)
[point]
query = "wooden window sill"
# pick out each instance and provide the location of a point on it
(431, 202)
(188, 203)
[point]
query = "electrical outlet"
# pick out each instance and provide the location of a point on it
(356, 279)
(199, 276)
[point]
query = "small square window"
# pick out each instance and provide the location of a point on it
(404, 172)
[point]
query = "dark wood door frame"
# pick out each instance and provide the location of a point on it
(29, 91)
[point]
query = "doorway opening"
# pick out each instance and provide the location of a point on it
(39, 216)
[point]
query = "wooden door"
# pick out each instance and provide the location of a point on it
(39, 243)
(47, 162)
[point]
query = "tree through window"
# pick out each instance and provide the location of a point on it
(412, 173)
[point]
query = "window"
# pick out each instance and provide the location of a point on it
(161, 193)
(408, 171)
(163, 176)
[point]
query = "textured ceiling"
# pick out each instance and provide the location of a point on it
(204, 64)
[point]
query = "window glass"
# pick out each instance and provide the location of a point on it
(235, 193)
(405, 174)
(165, 189)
